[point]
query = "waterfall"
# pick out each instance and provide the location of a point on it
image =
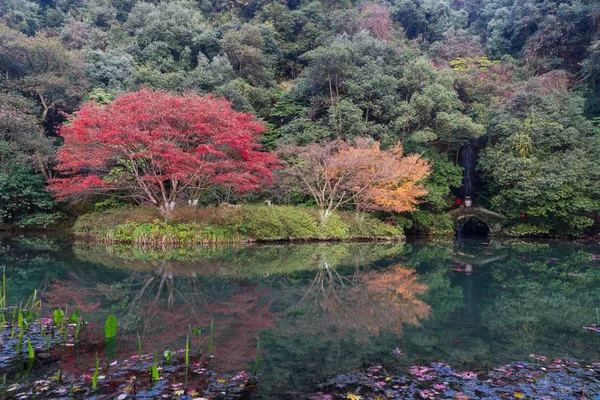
(467, 161)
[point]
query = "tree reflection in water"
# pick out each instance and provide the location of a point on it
(363, 303)
(323, 309)
(162, 306)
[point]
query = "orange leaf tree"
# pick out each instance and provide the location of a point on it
(336, 174)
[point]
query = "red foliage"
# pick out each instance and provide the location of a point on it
(238, 320)
(156, 146)
(66, 294)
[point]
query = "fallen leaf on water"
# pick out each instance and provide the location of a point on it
(13, 387)
(461, 396)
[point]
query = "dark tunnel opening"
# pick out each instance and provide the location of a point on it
(472, 227)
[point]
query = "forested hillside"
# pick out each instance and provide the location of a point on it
(515, 81)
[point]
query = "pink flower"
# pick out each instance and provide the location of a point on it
(440, 386)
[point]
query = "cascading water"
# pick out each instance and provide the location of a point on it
(467, 161)
(469, 227)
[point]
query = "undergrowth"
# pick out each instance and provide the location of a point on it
(144, 225)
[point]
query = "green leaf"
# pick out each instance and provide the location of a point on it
(30, 352)
(110, 328)
(154, 370)
(58, 317)
(169, 353)
(74, 317)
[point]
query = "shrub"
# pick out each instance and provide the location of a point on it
(366, 226)
(428, 223)
(527, 230)
(100, 223)
(160, 232)
(279, 222)
(229, 224)
(334, 228)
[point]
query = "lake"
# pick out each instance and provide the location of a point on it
(324, 309)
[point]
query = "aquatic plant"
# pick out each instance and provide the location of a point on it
(96, 373)
(139, 345)
(58, 318)
(256, 358)
(187, 350)
(211, 337)
(30, 351)
(59, 336)
(110, 328)
(154, 368)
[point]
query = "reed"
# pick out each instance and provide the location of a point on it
(187, 350)
(3, 299)
(211, 337)
(20, 341)
(139, 345)
(256, 358)
(78, 325)
(96, 373)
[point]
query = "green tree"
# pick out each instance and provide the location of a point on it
(24, 199)
(542, 164)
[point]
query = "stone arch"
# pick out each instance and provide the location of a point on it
(494, 221)
(471, 226)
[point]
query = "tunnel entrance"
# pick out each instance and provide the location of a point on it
(472, 227)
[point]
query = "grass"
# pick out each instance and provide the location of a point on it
(143, 225)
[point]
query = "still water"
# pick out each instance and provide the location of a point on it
(324, 309)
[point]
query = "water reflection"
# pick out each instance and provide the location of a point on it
(327, 308)
(358, 303)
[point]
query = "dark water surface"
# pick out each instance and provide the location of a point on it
(324, 309)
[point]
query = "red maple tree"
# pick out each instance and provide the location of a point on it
(157, 147)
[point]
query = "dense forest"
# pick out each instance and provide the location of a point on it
(511, 87)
